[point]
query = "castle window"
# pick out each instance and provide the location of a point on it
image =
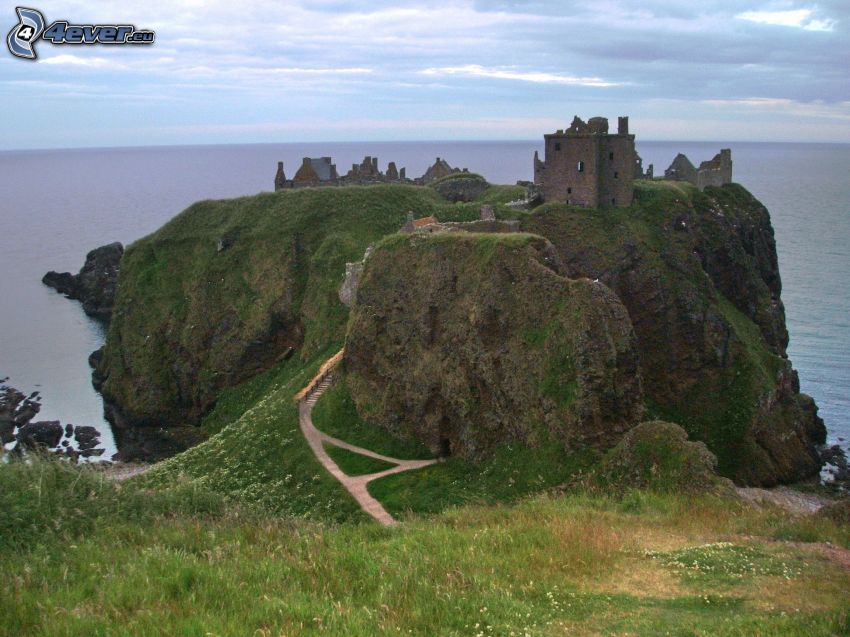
(580, 166)
(569, 191)
(610, 155)
(616, 175)
(557, 146)
(613, 202)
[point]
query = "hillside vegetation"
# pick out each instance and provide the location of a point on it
(85, 556)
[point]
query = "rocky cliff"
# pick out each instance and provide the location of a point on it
(469, 341)
(698, 273)
(472, 340)
(226, 289)
(95, 284)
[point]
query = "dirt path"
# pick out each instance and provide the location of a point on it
(356, 485)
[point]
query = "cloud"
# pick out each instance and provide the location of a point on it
(799, 18)
(815, 109)
(538, 77)
(216, 63)
(70, 59)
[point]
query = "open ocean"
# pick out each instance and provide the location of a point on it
(56, 205)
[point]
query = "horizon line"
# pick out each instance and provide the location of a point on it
(398, 141)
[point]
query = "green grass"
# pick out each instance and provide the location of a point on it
(567, 565)
(336, 415)
(261, 458)
(495, 195)
(355, 464)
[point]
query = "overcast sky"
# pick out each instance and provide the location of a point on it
(326, 70)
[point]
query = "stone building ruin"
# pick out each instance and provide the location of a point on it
(584, 165)
(587, 166)
(714, 172)
(321, 171)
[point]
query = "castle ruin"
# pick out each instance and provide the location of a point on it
(584, 165)
(321, 171)
(587, 166)
(714, 172)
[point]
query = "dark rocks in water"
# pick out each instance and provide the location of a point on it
(836, 466)
(15, 410)
(7, 429)
(9, 400)
(97, 377)
(96, 283)
(46, 433)
(87, 437)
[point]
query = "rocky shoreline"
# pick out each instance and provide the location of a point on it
(17, 411)
(95, 284)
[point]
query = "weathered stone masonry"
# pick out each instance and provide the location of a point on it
(587, 166)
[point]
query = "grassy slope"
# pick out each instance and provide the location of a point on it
(83, 556)
(511, 473)
(261, 459)
(570, 565)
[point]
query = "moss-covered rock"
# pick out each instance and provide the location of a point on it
(471, 340)
(463, 187)
(698, 274)
(658, 456)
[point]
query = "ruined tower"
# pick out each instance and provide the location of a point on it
(280, 177)
(587, 166)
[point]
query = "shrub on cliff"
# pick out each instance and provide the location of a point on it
(658, 456)
(838, 512)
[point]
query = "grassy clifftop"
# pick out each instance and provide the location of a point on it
(698, 273)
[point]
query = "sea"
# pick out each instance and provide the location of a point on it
(56, 205)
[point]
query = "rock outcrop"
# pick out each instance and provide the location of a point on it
(698, 273)
(463, 187)
(658, 456)
(96, 282)
(470, 340)
(16, 412)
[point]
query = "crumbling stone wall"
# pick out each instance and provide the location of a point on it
(321, 171)
(714, 172)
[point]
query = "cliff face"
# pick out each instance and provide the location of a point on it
(698, 273)
(471, 340)
(223, 291)
(96, 282)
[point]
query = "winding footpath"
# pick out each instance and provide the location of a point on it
(355, 485)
